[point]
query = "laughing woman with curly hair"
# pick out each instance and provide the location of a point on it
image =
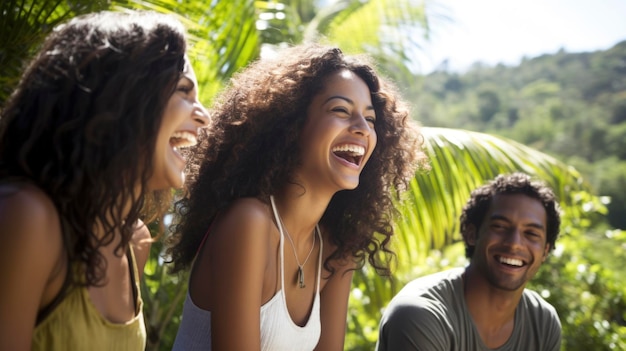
(295, 191)
(88, 147)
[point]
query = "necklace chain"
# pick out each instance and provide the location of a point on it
(295, 254)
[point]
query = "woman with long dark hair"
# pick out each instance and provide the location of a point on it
(88, 148)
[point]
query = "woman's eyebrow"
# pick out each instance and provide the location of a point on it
(346, 99)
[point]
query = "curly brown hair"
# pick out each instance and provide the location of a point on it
(264, 108)
(476, 208)
(83, 121)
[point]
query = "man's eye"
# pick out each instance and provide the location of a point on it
(497, 226)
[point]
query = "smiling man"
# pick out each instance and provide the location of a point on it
(509, 226)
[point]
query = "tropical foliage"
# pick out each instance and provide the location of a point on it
(570, 105)
(588, 295)
(536, 103)
(24, 25)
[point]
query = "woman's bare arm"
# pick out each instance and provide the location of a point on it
(32, 262)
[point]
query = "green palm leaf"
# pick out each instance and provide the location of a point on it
(24, 25)
(462, 160)
(222, 36)
(391, 31)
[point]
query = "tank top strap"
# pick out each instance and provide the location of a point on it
(280, 245)
(68, 283)
(134, 277)
(320, 256)
(65, 290)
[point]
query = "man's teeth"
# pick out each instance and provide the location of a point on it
(354, 149)
(183, 139)
(511, 261)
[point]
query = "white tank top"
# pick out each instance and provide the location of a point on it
(278, 331)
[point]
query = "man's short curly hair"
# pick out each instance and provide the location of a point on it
(477, 206)
(254, 149)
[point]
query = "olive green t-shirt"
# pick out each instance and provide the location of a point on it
(430, 314)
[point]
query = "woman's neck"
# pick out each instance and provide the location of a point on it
(300, 211)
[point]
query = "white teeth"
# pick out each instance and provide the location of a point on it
(355, 149)
(182, 139)
(511, 261)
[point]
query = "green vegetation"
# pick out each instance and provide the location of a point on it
(569, 105)
(572, 107)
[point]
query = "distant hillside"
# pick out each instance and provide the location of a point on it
(570, 105)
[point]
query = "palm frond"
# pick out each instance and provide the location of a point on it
(24, 25)
(222, 36)
(461, 161)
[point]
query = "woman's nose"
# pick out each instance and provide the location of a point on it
(200, 115)
(360, 125)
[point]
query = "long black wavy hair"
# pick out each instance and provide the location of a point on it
(82, 125)
(253, 151)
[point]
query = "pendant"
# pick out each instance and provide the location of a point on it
(301, 277)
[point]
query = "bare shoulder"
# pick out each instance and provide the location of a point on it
(141, 239)
(244, 229)
(32, 259)
(141, 242)
(231, 266)
(252, 208)
(245, 217)
(27, 214)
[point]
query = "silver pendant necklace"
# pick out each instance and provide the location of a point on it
(295, 254)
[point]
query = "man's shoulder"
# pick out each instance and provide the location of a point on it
(416, 312)
(440, 281)
(426, 312)
(534, 301)
(433, 294)
(537, 308)
(537, 323)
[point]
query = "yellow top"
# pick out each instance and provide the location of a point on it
(76, 324)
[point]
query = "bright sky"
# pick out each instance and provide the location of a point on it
(503, 31)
